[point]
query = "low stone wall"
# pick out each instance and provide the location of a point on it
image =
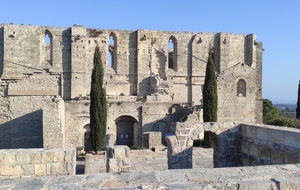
(152, 139)
(266, 145)
(147, 160)
(226, 143)
(19, 163)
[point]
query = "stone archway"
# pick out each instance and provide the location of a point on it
(126, 130)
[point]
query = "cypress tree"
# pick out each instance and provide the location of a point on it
(298, 103)
(210, 96)
(98, 106)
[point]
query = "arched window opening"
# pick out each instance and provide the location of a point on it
(48, 48)
(241, 88)
(172, 48)
(111, 51)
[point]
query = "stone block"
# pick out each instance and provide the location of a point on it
(276, 136)
(264, 152)
(253, 149)
(250, 131)
(257, 184)
(23, 159)
(262, 133)
(292, 138)
(35, 158)
(245, 147)
(28, 170)
(277, 157)
(47, 157)
(290, 159)
(40, 169)
(54, 168)
(70, 154)
(10, 170)
(2, 158)
(10, 158)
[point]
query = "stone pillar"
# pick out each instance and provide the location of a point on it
(117, 159)
(179, 154)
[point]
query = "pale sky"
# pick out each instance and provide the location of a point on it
(276, 23)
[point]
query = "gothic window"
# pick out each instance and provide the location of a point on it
(172, 53)
(112, 51)
(48, 48)
(241, 88)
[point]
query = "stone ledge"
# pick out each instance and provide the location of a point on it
(32, 92)
(259, 177)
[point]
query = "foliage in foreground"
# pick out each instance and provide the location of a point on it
(210, 94)
(98, 106)
(272, 116)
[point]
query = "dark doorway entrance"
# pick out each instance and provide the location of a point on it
(125, 130)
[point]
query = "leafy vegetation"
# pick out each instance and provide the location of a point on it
(298, 103)
(210, 96)
(98, 106)
(283, 117)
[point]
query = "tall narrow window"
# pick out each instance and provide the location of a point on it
(241, 88)
(112, 49)
(172, 53)
(47, 48)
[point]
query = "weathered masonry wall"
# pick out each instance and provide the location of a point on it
(47, 71)
(225, 137)
(37, 162)
(234, 144)
(268, 145)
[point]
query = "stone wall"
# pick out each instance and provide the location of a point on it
(268, 145)
(37, 162)
(225, 142)
(141, 83)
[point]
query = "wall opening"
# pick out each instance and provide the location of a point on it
(241, 88)
(172, 53)
(47, 48)
(125, 130)
(112, 51)
(86, 138)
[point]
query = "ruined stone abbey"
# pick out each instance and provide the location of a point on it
(152, 79)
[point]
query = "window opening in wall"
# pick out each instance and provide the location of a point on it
(171, 54)
(48, 49)
(111, 49)
(241, 88)
(47, 39)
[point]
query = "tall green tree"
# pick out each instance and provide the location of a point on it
(270, 112)
(210, 94)
(298, 103)
(98, 106)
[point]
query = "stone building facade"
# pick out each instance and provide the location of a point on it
(152, 78)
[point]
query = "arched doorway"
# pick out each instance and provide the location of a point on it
(125, 130)
(86, 138)
(163, 127)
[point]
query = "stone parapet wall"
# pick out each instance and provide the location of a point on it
(265, 145)
(225, 139)
(19, 163)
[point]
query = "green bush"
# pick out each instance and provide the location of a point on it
(286, 122)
